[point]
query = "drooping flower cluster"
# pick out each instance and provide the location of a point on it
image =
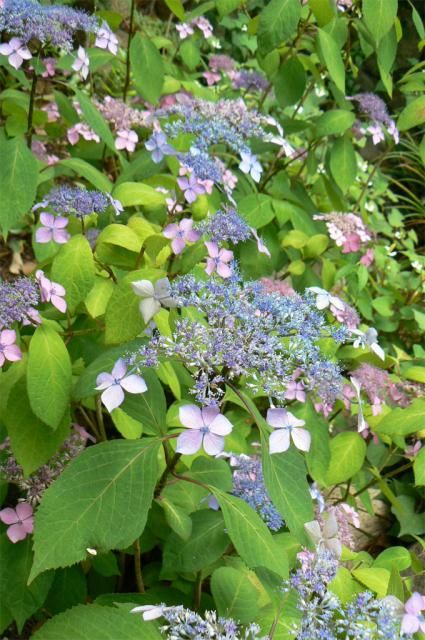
(325, 617)
(347, 229)
(379, 388)
(184, 624)
(34, 485)
(248, 484)
(18, 300)
(77, 201)
(375, 108)
(249, 80)
(247, 332)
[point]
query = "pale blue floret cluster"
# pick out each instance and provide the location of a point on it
(75, 201)
(225, 226)
(184, 624)
(17, 301)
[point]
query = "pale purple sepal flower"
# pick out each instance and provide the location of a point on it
(8, 349)
(413, 620)
(218, 260)
(181, 234)
(158, 146)
(51, 291)
(250, 165)
(184, 30)
(377, 133)
(16, 52)
(154, 296)
(361, 422)
(203, 25)
(327, 536)
(114, 384)
(368, 338)
(295, 391)
(287, 426)
(207, 428)
(81, 129)
(260, 244)
(115, 204)
(53, 229)
(324, 299)
(126, 139)
(191, 187)
(20, 521)
(82, 62)
(151, 611)
(106, 39)
(393, 131)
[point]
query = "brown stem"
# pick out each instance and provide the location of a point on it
(127, 62)
(197, 592)
(138, 566)
(171, 465)
(31, 109)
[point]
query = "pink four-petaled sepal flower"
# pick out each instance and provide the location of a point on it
(16, 52)
(51, 291)
(287, 426)
(114, 384)
(126, 139)
(295, 391)
(8, 349)
(181, 234)
(218, 260)
(413, 620)
(20, 521)
(53, 228)
(207, 428)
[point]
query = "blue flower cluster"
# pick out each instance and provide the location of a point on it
(248, 484)
(225, 225)
(17, 301)
(49, 24)
(244, 331)
(325, 617)
(75, 201)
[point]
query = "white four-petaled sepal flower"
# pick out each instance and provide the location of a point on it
(250, 165)
(16, 52)
(327, 535)
(114, 384)
(151, 611)
(207, 428)
(324, 299)
(154, 296)
(287, 426)
(368, 338)
(82, 62)
(106, 39)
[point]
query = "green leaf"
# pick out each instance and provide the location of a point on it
(334, 122)
(403, 422)
(379, 16)
(419, 468)
(348, 452)
(49, 376)
(87, 171)
(324, 10)
(286, 482)
(95, 120)
(68, 589)
(411, 522)
(395, 584)
(33, 442)
(289, 82)
(177, 519)
(120, 235)
(128, 427)
(206, 544)
(73, 268)
(176, 7)
(18, 599)
(150, 408)
(250, 536)
(190, 54)
(98, 297)
(112, 482)
(18, 181)
(374, 579)
(234, 595)
(343, 163)
(131, 194)
(93, 622)
(257, 210)
(413, 115)
(227, 6)
(123, 297)
(212, 471)
(330, 53)
(278, 22)
(147, 67)
(398, 556)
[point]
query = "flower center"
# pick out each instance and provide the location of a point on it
(204, 430)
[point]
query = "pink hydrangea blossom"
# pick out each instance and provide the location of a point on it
(16, 52)
(351, 243)
(207, 428)
(211, 77)
(184, 30)
(53, 228)
(204, 26)
(287, 426)
(368, 258)
(51, 291)
(8, 349)
(295, 391)
(191, 187)
(81, 130)
(126, 139)
(114, 384)
(82, 62)
(20, 521)
(181, 234)
(50, 66)
(218, 260)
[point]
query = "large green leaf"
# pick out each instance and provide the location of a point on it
(73, 268)
(343, 163)
(334, 122)
(331, 54)
(379, 16)
(234, 595)
(131, 194)
(100, 501)
(123, 297)
(147, 67)
(93, 622)
(419, 468)
(278, 22)
(18, 599)
(413, 115)
(18, 181)
(250, 536)
(348, 450)
(49, 376)
(403, 422)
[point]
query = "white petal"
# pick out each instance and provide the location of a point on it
(113, 397)
(313, 530)
(279, 441)
(378, 350)
(330, 526)
(148, 308)
(134, 384)
(190, 416)
(276, 418)
(213, 445)
(143, 288)
(301, 439)
(221, 426)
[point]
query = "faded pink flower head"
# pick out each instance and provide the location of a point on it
(368, 258)
(207, 428)
(218, 260)
(16, 52)
(126, 139)
(181, 234)
(8, 349)
(351, 243)
(20, 521)
(211, 77)
(51, 291)
(53, 229)
(114, 384)
(287, 426)
(81, 129)
(50, 66)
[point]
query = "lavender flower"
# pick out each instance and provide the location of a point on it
(106, 39)
(376, 109)
(287, 426)
(53, 228)
(16, 52)
(82, 63)
(75, 201)
(158, 146)
(207, 429)
(225, 225)
(8, 349)
(20, 521)
(51, 291)
(114, 384)
(250, 165)
(413, 619)
(181, 234)
(248, 484)
(218, 260)
(249, 80)
(17, 301)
